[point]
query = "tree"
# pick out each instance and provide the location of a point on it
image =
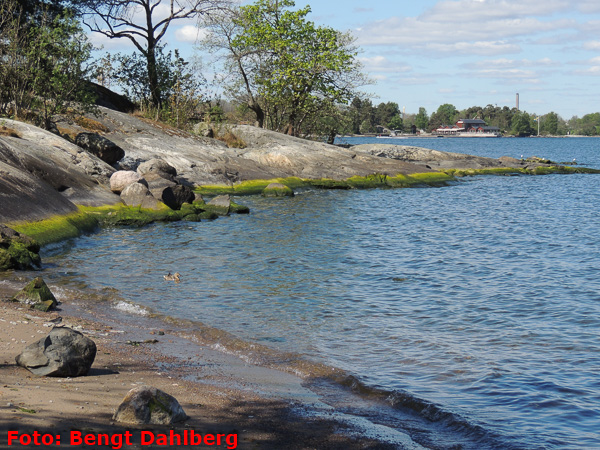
(42, 65)
(288, 69)
(550, 123)
(521, 124)
(140, 22)
(422, 119)
(446, 114)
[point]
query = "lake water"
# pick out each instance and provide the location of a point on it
(473, 310)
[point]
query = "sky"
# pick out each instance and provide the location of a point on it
(464, 52)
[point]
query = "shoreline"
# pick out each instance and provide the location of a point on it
(266, 408)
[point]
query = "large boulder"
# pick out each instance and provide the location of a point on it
(106, 150)
(123, 178)
(17, 251)
(158, 167)
(148, 405)
(63, 353)
(37, 295)
(137, 194)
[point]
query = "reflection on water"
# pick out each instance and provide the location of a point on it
(482, 298)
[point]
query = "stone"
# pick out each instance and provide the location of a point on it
(138, 194)
(159, 167)
(204, 129)
(277, 190)
(18, 251)
(221, 204)
(63, 353)
(37, 295)
(148, 405)
(123, 178)
(106, 150)
(176, 196)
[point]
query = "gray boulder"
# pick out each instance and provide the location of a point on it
(123, 178)
(137, 194)
(63, 353)
(106, 150)
(148, 405)
(158, 167)
(220, 204)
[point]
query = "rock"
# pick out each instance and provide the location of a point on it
(220, 204)
(277, 190)
(63, 353)
(148, 405)
(123, 178)
(17, 251)
(159, 167)
(204, 129)
(138, 194)
(168, 191)
(106, 150)
(37, 294)
(176, 196)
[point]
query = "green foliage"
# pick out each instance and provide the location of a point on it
(42, 65)
(288, 70)
(446, 114)
(422, 119)
(521, 124)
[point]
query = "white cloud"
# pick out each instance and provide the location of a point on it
(190, 34)
(592, 45)
(481, 27)
(382, 64)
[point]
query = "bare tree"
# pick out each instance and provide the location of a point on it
(144, 23)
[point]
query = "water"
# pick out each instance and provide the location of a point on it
(476, 306)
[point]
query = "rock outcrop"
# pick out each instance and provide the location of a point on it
(63, 353)
(148, 405)
(436, 159)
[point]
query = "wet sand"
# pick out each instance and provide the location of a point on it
(221, 394)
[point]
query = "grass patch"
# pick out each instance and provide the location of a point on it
(231, 140)
(9, 132)
(90, 124)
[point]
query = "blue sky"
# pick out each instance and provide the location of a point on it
(468, 52)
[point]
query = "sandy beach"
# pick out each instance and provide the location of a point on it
(250, 407)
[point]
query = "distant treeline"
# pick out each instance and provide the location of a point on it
(362, 117)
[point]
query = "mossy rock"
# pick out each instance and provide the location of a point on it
(192, 218)
(37, 295)
(238, 209)
(208, 215)
(17, 251)
(277, 190)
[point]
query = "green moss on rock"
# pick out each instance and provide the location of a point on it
(58, 228)
(37, 295)
(278, 190)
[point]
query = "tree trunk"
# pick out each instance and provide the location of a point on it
(260, 114)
